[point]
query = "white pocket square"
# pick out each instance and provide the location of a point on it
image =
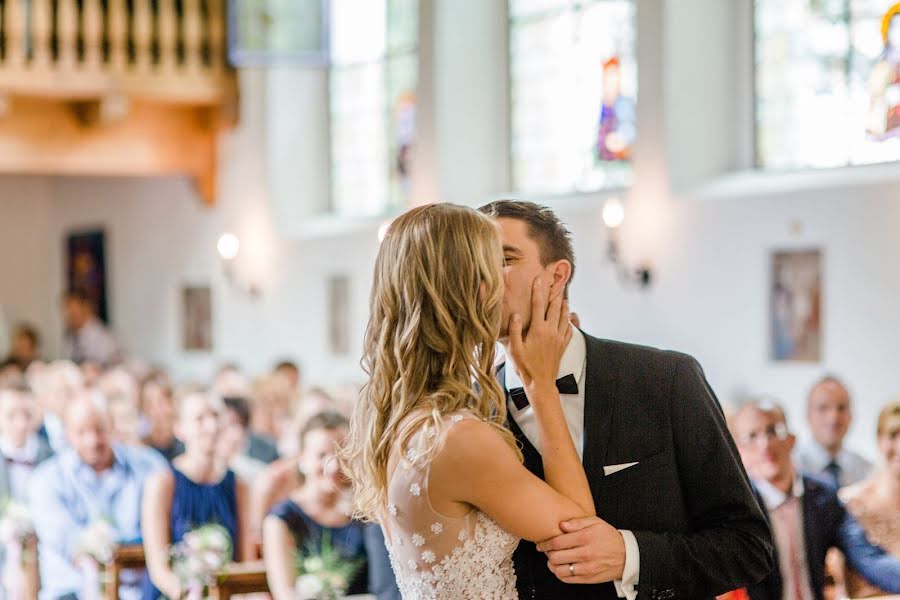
(616, 468)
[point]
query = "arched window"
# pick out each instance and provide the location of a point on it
(827, 82)
(573, 73)
(372, 103)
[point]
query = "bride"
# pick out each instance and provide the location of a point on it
(428, 454)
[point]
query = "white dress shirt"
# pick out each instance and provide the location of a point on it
(574, 362)
(786, 518)
(20, 463)
(93, 343)
(812, 458)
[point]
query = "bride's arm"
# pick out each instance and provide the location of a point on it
(477, 467)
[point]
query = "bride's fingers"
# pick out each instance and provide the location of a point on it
(563, 322)
(553, 311)
(538, 304)
(516, 345)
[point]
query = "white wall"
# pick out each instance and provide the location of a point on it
(709, 249)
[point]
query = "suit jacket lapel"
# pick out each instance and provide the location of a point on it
(599, 406)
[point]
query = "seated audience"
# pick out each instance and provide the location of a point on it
(121, 392)
(25, 348)
(87, 338)
(272, 406)
(311, 403)
(875, 502)
(196, 490)
(157, 404)
(55, 386)
(21, 448)
(245, 453)
(829, 416)
(290, 371)
(805, 514)
(316, 509)
(90, 482)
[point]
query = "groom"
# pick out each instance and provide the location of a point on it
(675, 514)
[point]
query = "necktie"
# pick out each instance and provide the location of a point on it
(565, 385)
(790, 515)
(833, 470)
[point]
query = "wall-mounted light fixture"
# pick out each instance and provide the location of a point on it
(613, 217)
(228, 247)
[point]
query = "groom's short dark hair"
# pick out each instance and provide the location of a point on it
(544, 227)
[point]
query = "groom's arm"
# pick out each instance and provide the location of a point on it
(730, 545)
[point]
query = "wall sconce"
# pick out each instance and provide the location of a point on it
(228, 247)
(613, 216)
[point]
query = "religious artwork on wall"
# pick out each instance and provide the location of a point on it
(86, 268)
(196, 318)
(616, 129)
(339, 314)
(795, 305)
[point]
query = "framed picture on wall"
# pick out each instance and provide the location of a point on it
(86, 267)
(339, 314)
(795, 305)
(196, 318)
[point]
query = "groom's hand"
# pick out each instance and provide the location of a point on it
(594, 548)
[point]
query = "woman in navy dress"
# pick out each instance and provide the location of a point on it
(315, 510)
(197, 490)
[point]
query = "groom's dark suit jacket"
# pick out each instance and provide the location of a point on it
(698, 525)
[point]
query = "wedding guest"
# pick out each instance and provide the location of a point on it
(21, 449)
(196, 490)
(805, 514)
(244, 453)
(25, 348)
(315, 511)
(314, 401)
(55, 386)
(87, 338)
(89, 482)
(272, 406)
(158, 409)
(829, 416)
(875, 502)
(290, 371)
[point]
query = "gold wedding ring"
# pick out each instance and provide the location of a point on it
(571, 570)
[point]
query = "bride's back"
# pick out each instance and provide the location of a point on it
(437, 555)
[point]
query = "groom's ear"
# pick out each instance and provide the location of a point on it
(561, 273)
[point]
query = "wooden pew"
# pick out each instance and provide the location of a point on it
(240, 578)
(129, 556)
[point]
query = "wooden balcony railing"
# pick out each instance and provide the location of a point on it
(114, 87)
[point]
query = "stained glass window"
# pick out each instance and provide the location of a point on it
(373, 77)
(827, 82)
(574, 90)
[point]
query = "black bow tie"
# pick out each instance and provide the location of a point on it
(565, 385)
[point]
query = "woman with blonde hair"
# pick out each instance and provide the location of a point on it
(428, 453)
(875, 502)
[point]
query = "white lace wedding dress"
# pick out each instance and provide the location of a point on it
(436, 557)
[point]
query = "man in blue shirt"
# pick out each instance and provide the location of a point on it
(88, 482)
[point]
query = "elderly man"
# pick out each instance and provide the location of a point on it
(828, 414)
(806, 517)
(89, 482)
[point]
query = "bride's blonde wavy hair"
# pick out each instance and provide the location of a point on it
(433, 327)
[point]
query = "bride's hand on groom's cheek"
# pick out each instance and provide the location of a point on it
(594, 548)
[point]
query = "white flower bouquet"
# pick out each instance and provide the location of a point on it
(201, 554)
(98, 541)
(16, 524)
(323, 574)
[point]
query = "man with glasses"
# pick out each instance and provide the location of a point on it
(804, 513)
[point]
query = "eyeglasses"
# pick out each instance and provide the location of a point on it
(776, 431)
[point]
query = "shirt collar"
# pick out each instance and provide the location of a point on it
(119, 466)
(572, 362)
(772, 497)
(821, 457)
(28, 452)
